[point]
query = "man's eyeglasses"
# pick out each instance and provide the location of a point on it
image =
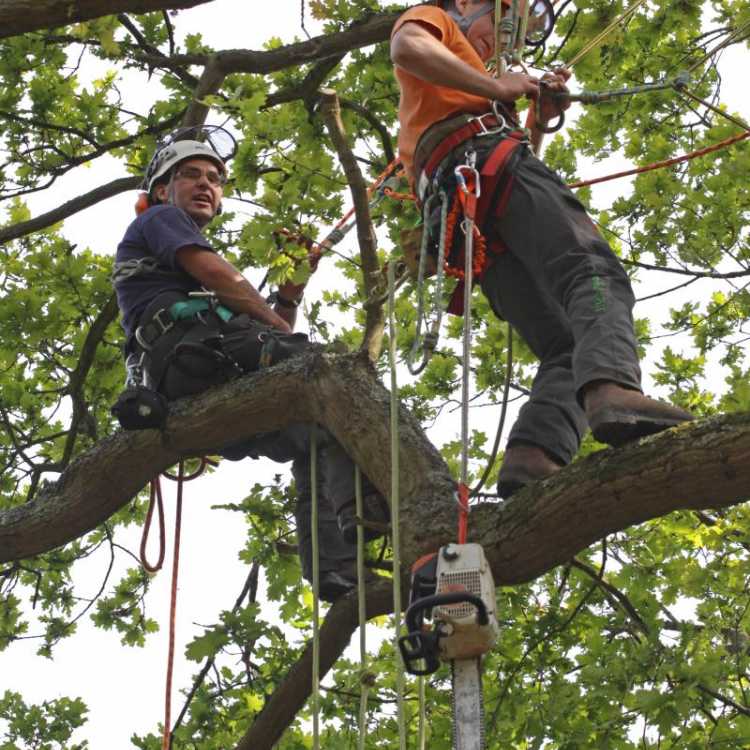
(215, 178)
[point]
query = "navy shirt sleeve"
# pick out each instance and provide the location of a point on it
(166, 229)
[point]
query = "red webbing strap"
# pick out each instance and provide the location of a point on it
(463, 513)
(456, 138)
(493, 170)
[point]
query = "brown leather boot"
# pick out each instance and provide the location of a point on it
(524, 463)
(619, 415)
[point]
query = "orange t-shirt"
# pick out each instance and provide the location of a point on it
(422, 103)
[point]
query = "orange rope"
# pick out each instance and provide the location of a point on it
(479, 261)
(370, 190)
(399, 196)
(317, 249)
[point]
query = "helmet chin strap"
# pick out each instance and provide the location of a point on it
(464, 22)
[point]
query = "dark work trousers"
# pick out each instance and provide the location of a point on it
(188, 374)
(563, 289)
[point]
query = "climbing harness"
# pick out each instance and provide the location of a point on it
(155, 499)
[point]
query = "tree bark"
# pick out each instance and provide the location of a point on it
(22, 16)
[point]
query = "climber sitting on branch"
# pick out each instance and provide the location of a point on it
(546, 268)
(193, 321)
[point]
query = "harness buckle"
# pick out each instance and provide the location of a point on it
(164, 327)
(156, 321)
(500, 126)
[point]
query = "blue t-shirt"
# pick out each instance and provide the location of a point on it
(153, 239)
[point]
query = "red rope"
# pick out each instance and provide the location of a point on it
(665, 162)
(463, 513)
(155, 499)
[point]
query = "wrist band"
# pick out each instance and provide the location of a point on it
(276, 299)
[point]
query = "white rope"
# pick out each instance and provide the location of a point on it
(315, 587)
(395, 505)
(364, 681)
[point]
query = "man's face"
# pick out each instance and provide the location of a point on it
(481, 30)
(196, 187)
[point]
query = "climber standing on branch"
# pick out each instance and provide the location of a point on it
(546, 269)
(193, 321)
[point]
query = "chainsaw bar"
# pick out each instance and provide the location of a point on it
(467, 704)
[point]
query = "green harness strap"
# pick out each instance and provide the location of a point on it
(191, 307)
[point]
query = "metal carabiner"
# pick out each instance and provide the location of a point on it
(500, 126)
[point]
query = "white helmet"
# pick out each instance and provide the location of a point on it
(172, 154)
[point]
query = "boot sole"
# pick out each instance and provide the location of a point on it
(617, 428)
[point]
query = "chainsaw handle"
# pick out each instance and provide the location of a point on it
(451, 597)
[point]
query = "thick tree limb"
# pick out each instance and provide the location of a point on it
(368, 242)
(697, 466)
(69, 208)
(341, 393)
(294, 690)
(375, 29)
(22, 16)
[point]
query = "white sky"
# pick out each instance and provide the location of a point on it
(123, 687)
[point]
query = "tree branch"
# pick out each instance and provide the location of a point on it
(78, 378)
(22, 16)
(368, 242)
(309, 87)
(696, 466)
(294, 690)
(69, 208)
